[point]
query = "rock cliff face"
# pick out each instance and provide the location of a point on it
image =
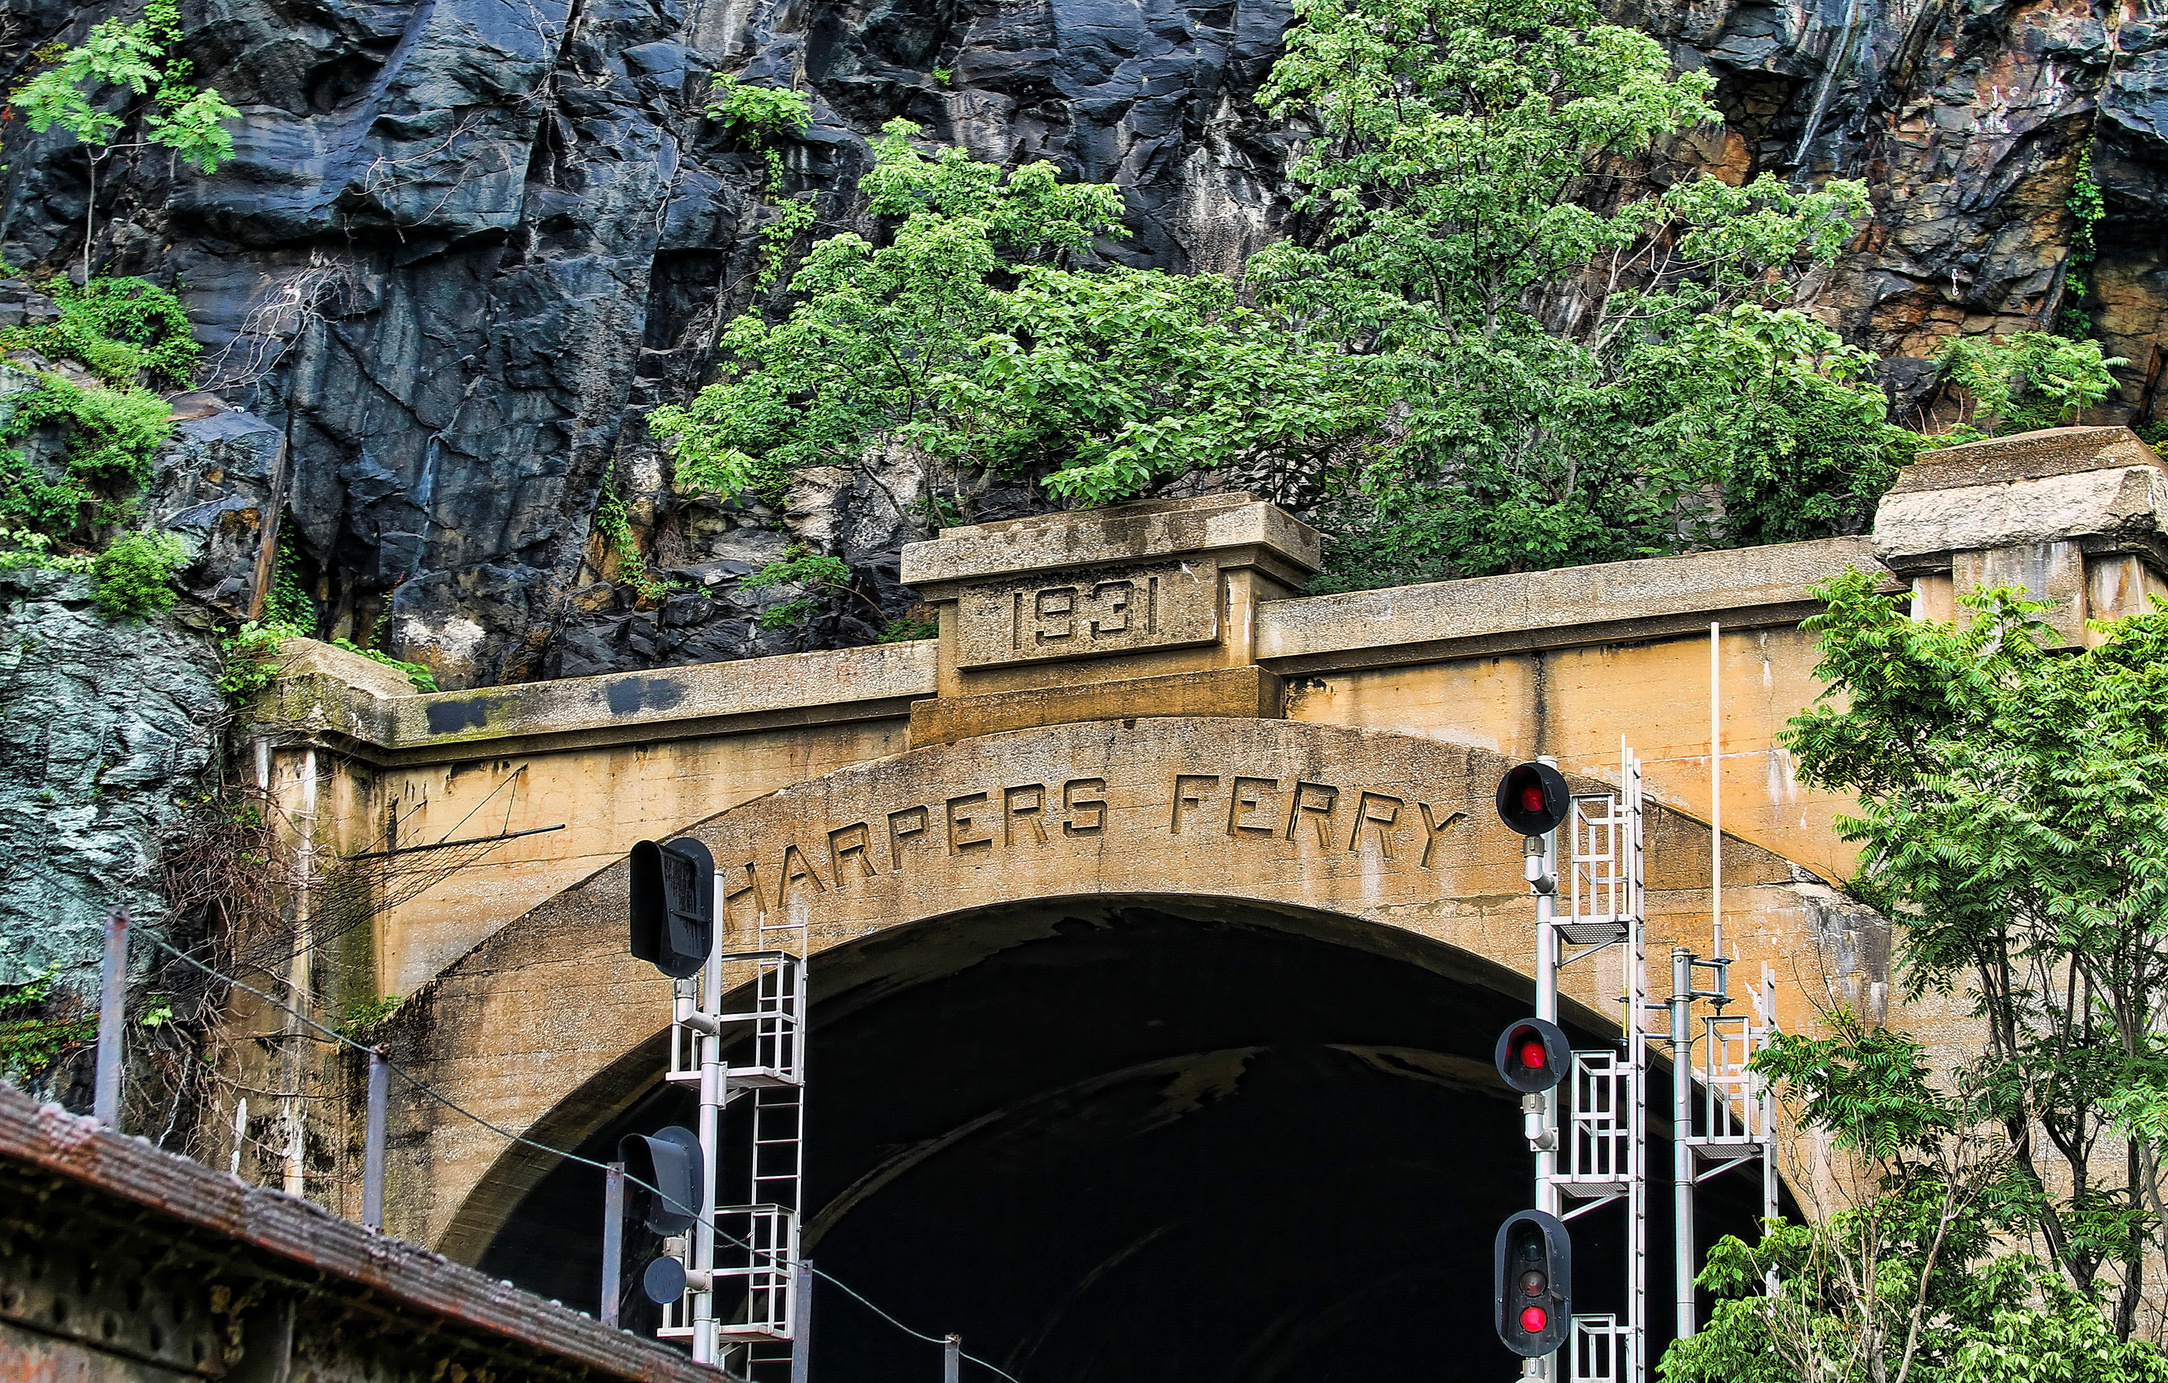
(466, 244)
(106, 725)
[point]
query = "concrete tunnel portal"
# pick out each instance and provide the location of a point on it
(1146, 1140)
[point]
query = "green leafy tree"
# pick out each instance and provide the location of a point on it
(2021, 383)
(1580, 361)
(968, 341)
(136, 61)
(1914, 1281)
(2013, 828)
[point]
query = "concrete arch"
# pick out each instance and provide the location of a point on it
(544, 1026)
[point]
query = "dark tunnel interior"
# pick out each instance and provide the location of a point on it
(1177, 1143)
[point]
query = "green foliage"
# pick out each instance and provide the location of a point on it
(1448, 233)
(1869, 1087)
(1917, 1281)
(2088, 207)
(964, 339)
(805, 570)
(37, 1028)
(135, 575)
(359, 1019)
(758, 116)
(1488, 348)
(136, 59)
(250, 659)
(615, 525)
(124, 329)
(288, 603)
(22, 548)
(2024, 382)
(907, 630)
(2013, 828)
(251, 652)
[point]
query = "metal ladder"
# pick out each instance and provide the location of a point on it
(1603, 1143)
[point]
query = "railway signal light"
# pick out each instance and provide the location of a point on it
(673, 905)
(670, 1163)
(1533, 798)
(1534, 1278)
(1533, 1056)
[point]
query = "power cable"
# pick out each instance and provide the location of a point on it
(524, 1141)
(451, 1104)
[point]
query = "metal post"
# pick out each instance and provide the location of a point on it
(1716, 794)
(1682, 1128)
(712, 1094)
(112, 1009)
(240, 1135)
(801, 1336)
(952, 1359)
(372, 1144)
(1547, 1192)
(1548, 1197)
(613, 1241)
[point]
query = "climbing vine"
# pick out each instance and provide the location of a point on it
(614, 523)
(757, 117)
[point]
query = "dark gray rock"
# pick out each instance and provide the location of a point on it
(464, 246)
(108, 725)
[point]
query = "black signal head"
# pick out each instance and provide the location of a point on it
(1534, 1283)
(1533, 798)
(1533, 1056)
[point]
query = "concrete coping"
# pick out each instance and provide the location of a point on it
(1652, 598)
(1250, 530)
(2027, 456)
(316, 1252)
(699, 698)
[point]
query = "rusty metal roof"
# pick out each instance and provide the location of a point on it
(288, 1238)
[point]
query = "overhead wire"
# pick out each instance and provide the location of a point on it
(524, 1141)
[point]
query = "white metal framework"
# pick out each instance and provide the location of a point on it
(745, 1286)
(1599, 1114)
(1734, 1120)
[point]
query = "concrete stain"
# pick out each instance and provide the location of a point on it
(450, 717)
(644, 694)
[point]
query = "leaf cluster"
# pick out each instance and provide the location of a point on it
(136, 60)
(135, 575)
(2024, 382)
(38, 1027)
(2012, 826)
(127, 330)
(250, 659)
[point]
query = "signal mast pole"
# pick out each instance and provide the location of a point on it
(1584, 1112)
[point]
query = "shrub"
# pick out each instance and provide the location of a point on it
(122, 328)
(135, 575)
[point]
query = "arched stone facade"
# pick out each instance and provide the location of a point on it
(550, 1026)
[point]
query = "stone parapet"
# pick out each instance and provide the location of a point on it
(1242, 527)
(2072, 516)
(1741, 588)
(371, 711)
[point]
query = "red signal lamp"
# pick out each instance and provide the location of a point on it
(1532, 1056)
(1534, 1319)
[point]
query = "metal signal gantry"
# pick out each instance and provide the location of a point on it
(1584, 1111)
(743, 1289)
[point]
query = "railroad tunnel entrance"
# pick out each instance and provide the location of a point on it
(1147, 1139)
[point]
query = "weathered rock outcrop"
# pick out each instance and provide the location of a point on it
(106, 725)
(466, 245)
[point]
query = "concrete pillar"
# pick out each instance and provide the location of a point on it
(2071, 515)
